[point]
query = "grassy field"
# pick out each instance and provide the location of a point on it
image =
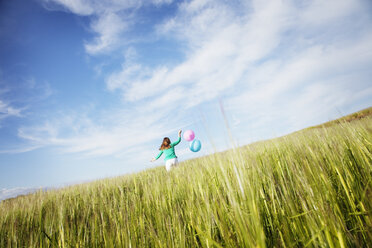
(309, 189)
(347, 118)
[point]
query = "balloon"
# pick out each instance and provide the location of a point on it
(195, 145)
(189, 135)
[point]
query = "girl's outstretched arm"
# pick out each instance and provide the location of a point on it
(179, 139)
(160, 153)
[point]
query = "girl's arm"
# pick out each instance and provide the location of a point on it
(179, 139)
(160, 153)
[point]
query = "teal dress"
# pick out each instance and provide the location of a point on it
(169, 153)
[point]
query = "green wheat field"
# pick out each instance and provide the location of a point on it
(312, 188)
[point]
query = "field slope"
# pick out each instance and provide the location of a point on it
(347, 118)
(309, 189)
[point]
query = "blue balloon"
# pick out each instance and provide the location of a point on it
(195, 145)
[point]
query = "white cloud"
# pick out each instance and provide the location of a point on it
(276, 77)
(271, 51)
(110, 19)
(126, 75)
(11, 106)
(225, 46)
(7, 110)
(318, 12)
(275, 62)
(222, 47)
(108, 27)
(118, 132)
(19, 149)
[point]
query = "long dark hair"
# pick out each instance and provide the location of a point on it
(166, 144)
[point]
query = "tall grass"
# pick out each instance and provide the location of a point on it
(308, 189)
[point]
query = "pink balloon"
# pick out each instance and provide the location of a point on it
(189, 135)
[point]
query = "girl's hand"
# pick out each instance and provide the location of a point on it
(179, 133)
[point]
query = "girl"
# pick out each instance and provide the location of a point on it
(168, 149)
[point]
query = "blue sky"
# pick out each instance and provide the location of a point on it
(89, 88)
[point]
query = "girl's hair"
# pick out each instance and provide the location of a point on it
(166, 144)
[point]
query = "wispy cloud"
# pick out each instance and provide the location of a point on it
(110, 19)
(11, 106)
(228, 45)
(274, 62)
(120, 132)
(108, 26)
(6, 111)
